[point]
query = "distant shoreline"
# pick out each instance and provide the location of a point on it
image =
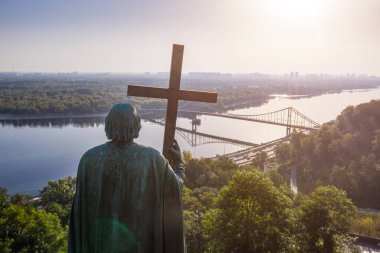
(49, 116)
(243, 104)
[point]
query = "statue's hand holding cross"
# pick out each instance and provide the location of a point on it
(173, 94)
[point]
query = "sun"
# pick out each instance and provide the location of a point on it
(293, 10)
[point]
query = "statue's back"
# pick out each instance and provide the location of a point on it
(128, 199)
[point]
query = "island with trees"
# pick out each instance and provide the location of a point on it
(75, 94)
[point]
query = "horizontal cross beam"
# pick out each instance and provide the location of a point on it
(188, 95)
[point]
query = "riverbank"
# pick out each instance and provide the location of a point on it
(234, 106)
(49, 116)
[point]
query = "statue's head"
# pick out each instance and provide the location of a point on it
(122, 123)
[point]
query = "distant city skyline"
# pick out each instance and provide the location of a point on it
(245, 36)
(191, 75)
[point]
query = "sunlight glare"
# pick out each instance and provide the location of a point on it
(293, 10)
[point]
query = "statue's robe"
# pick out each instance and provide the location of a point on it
(128, 199)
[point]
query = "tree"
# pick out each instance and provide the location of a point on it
(209, 172)
(253, 216)
(376, 144)
(276, 178)
(367, 224)
(260, 159)
(195, 234)
(326, 216)
(20, 199)
(196, 203)
(3, 197)
(57, 197)
(187, 156)
(344, 153)
(25, 229)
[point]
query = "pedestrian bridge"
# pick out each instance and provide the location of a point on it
(288, 117)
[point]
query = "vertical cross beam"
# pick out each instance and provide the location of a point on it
(171, 112)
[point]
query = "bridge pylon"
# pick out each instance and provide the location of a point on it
(194, 123)
(289, 121)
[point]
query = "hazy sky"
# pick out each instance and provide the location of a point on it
(269, 36)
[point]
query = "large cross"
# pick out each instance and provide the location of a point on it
(173, 94)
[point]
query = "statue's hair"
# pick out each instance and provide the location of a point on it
(122, 123)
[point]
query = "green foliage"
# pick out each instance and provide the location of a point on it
(276, 178)
(376, 144)
(325, 216)
(57, 197)
(21, 199)
(211, 231)
(259, 160)
(36, 98)
(253, 216)
(187, 156)
(208, 172)
(200, 199)
(65, 96)
(367, 224)
(204, 178)
(344, 153)
(255, 213)
(25, 229)
(82, 94)
(3, 198)
(195, 232)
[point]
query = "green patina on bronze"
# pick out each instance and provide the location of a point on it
(128, 197)
(123, 240)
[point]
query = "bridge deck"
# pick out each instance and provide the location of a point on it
(280, 118)
(245, 156)
(279, 122)
(244, 143)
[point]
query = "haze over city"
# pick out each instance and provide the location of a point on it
(268, 36)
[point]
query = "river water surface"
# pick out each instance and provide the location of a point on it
(34, 153)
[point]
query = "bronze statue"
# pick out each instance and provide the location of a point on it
(128, 197)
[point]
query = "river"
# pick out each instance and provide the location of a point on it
(34, 153)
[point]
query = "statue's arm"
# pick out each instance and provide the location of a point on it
(179, 170)
(178, 166)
